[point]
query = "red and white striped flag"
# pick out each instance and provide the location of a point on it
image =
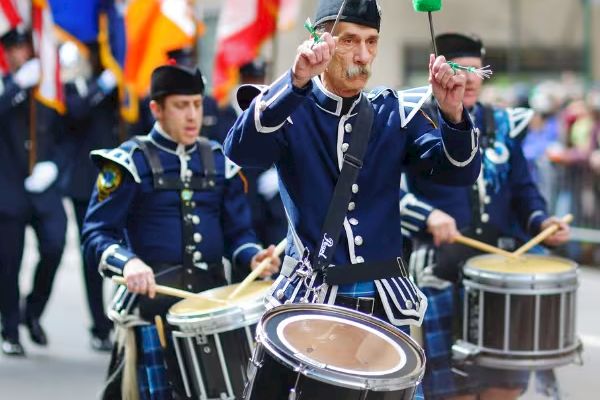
(49, 90)
(243, 27)
(10, 18)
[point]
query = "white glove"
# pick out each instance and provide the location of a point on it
(268, 184)
(107, 81)
(43, 175)
(29, 74)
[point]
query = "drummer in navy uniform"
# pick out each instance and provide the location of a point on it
(29, 196)
(503, 208)
(166, 208)
(305, 124)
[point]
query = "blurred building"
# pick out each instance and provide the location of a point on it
(524, 38)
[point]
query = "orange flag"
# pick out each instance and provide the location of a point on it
(153, 28)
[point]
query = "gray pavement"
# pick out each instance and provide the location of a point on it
(69, 369)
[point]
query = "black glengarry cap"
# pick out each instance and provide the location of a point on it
(453, 45)
(361, 12)
(175, 79)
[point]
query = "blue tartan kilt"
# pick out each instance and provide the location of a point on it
(152, 374)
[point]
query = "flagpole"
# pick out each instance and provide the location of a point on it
(32, 130)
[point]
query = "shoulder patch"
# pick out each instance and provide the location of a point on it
(518, 120)
(411, 101)
(119, 156)
(109, 180)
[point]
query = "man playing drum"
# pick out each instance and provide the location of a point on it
(166, 208)
(502, 208)
(310, 122)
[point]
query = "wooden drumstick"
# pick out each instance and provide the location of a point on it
(543, 235)
(258, 270)
(169, 291)
(160, 328)
(476, 244)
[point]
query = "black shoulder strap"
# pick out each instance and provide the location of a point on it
(208, 160)
(153, 160)
(332, 227)
(490, 124)
(161, 181)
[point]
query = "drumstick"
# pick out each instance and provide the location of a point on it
(543, 235)
(258, 270)
(160, 328)
(476, 244)
(169, 291)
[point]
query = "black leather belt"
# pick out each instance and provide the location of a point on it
(366, 305)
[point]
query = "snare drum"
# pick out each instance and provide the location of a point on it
(323, 352)
(213, 339)
(519, 314)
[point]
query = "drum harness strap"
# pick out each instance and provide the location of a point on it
(336, 212)
(186, 187)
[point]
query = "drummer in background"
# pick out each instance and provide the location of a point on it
(503, 208)
(166, 208)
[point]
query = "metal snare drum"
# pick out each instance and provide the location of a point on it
(213, 339)
(324, 352)
(519, 314)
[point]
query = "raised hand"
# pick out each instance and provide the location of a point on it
(312, 59)
(448, 88)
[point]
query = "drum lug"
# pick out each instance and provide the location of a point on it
(257, 364)
(464, 352)
(292, 395)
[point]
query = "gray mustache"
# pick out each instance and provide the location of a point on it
(357, 70)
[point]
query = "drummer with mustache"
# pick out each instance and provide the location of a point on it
(306, 124)
(167, 207)
(503, 208)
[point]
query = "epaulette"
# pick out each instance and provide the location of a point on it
(518, 120)
(411, 101)
(380, 91)
(244, 96)
(122, 155)
(231, 168)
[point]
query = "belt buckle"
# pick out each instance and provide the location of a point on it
(362, 299)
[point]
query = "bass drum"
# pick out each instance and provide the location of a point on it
(324, 352)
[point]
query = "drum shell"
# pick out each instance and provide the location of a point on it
(214, 366)
(270, 379)
(521, 321)
(272, 372)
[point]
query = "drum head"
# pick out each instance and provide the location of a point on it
(529, 267)
(215, 300)
(341, 346)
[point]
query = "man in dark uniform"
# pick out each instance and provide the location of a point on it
(91, 122)
(503, 208)
(304, 124)
(166, 208)
(30, 197)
